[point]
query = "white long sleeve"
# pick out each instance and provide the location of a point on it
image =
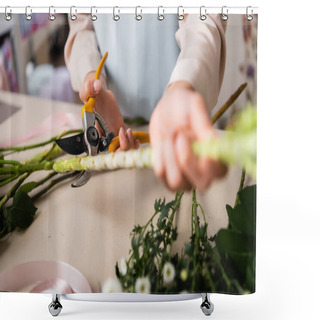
(201, 61)
(203, 53)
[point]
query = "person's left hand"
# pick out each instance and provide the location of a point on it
(179, 118)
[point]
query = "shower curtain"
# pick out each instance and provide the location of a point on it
(128, 228)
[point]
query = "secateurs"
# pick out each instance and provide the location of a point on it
(88, 141)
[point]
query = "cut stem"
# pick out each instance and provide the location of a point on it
(52, 184)
(228, 104)
(37, 145)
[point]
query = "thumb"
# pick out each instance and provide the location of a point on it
(90, 88)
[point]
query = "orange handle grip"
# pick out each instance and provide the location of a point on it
(142, 136)
(88, 107)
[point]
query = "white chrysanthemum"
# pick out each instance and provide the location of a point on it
(123, 266)
(168, 272)
(112, 285)
(142, 285)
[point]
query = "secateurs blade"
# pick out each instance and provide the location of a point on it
(88, 141)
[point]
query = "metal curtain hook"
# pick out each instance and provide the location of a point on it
(51, 16)
(203, 13)
(138, 16)
(28, 13)
(93, 16)
(224, 13)
(249, 17)
(180, 13)
(116, 17)
(72, 15)
(160, 16)
(7, 14)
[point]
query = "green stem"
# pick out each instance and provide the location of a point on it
(243, 176)
(196, 240)
(203, 215)
(41, 144)
(209, 277)
(23, 168)
(8, 180)
(52, 184)
(48, 154)
(237, 286)
(175, 208)
(13, 162)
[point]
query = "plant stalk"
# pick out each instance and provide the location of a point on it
(230, 101)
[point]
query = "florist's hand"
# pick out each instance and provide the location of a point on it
(106, 105)
(179, 118)
(127, 141)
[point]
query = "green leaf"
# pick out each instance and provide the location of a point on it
(243, 216)
(157, 205)
(229, 241)
(22, 212)
(164, 214)
(247, 197)
(242, 219)
(137, 229)
(27, 187)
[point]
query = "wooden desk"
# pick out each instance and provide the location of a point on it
(89, 227)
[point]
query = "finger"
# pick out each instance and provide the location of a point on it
(174, 177)
(90, 88)
(200, 172)
(136, 144)
(200, 120)
(123, 140)
(158, 159)
(130, 138)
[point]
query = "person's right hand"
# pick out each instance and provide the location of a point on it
(106, 105)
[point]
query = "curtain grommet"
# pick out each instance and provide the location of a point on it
(7, 15)
(249, 16)
(160, 15)
(93, 16)
(203, 13)
(73, 16)
(116, 17)
(52, 10)
(180, 12)
(138, 16)
(224, 13)
(28, 12)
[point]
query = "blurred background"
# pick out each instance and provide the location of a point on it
(32, 57)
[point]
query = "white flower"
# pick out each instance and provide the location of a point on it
(183, 274)
(112, 285)
(123, 266)
(142, 285)
(168, 272)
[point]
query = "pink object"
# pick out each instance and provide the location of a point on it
(44, 276)
(53, 122)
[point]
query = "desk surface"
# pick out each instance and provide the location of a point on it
(89, 227)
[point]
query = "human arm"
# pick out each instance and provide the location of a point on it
(82, 58)
(182, 114)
